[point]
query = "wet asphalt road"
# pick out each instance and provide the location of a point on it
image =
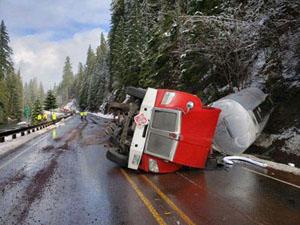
(62, 177)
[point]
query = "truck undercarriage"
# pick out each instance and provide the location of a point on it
(121, 129)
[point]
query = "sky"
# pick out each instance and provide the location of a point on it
(44, 32)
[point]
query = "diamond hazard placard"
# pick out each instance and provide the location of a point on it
(140, 119)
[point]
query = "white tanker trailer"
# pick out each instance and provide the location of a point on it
(244, 115)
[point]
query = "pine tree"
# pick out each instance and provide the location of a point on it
(85, 84)
(15, 95)
(99, 78)
(50, 101)
(6, 66)
(33, 89)
(65, 89)
(117, 45)
(134, 43)
(151, 44)
(41, 92)
(3, 101)
(102, 65)
(37, 109)
(5, 52)
(78, 81)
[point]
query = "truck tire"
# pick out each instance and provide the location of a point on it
(136, 92)
(114, 156)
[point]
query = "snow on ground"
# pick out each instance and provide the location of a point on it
(22, 123)
(71, 105)
(105, 116)
(275, 165)
(292, 137)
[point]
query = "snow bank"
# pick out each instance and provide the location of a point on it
(22, 123)
(105, 116)
(292, 140)
(71, 105)
(275, 165)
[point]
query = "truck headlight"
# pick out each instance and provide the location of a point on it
(153, 167)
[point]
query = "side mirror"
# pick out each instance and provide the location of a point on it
(189, 105)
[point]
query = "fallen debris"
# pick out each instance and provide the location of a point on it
(229, 160)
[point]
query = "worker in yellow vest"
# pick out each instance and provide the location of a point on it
(81, 115)
(53, 116)
(45, 117)
(85, 115)
(39, 117)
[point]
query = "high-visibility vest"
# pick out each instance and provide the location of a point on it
(85, 113)
(45, 116)
(39, 117)
(54, 116)
(81, 114)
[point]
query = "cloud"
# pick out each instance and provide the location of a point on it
(37, 56)
(44, 32)
(35, 16)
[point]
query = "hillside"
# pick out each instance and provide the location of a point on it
(212, 48)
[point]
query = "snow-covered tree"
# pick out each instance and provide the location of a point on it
(50, 101)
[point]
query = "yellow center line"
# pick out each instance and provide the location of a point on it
(169, 202)
(144, 199)
(273, 178)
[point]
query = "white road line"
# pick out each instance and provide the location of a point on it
(253, 171)
(21, 153)
(273, 178)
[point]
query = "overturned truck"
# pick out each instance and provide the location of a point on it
(161, 130)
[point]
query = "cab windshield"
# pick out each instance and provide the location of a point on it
(165, 120)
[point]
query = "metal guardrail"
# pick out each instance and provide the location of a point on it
(28, 129)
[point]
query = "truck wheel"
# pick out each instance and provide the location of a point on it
(136, 92)
(114, 156)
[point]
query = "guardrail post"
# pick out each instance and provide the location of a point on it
(28, 130)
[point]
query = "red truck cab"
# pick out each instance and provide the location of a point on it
(173, 129)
